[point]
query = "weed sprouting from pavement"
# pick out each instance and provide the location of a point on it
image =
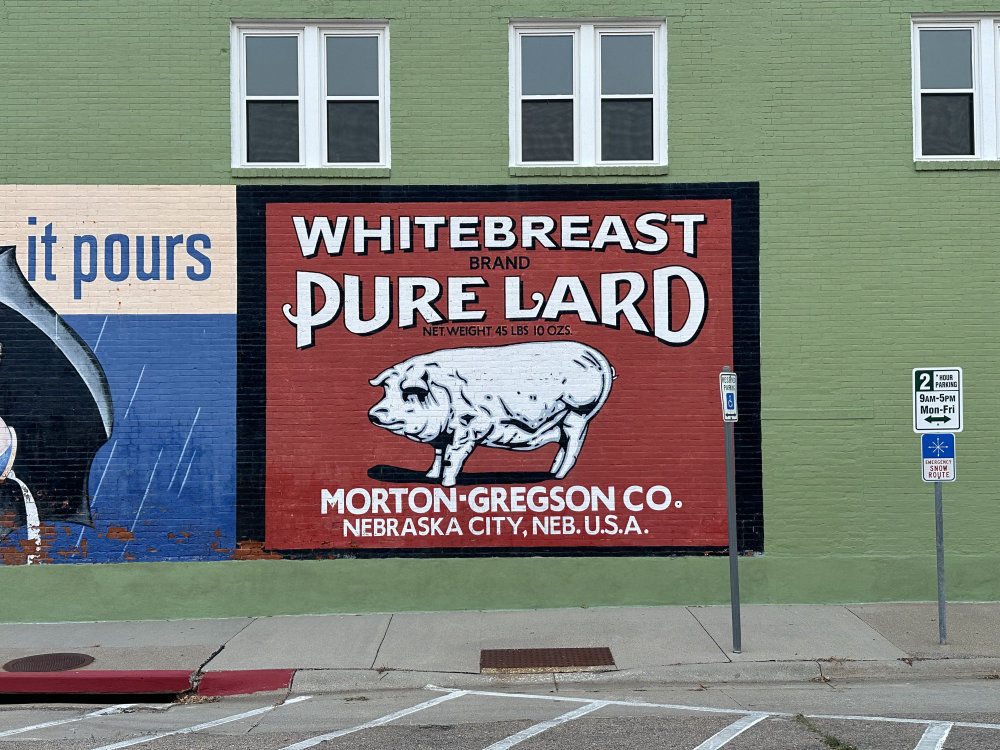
(832, 742)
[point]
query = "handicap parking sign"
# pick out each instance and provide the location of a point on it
(727, 389)
(937, 453)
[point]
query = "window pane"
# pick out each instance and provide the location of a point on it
(352, 132)
(352, 66)
(627, 130)
(946, 59)
(946, 124)
(627, 64)
(272, 66)
(547, 130)
(547, 65)
(273, 132)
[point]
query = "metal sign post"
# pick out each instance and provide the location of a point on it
(939, 533)
(938, 459)
(937, 413)
(727, 388)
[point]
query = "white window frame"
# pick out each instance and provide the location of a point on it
(312, 96)
(587, 95)
(985, 32)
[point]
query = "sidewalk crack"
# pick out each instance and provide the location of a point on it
(384, 634)
(710, 637)
(199, 673)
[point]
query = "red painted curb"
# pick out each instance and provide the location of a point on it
(244, 681)
(96, 681)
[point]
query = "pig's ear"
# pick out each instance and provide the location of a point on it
(416, 381)
(382, 377)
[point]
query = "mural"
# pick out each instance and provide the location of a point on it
(413, 370)
(56, 410)
(551, 354)
(117, 373)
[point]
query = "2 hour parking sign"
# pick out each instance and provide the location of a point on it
(937, 399)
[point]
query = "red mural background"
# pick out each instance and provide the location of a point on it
(651, 472)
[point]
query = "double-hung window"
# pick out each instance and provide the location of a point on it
(310, 94)
(955, 73)
(588, 94)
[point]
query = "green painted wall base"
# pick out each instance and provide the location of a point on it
(62, 593)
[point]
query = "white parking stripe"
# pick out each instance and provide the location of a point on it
(571, 699)
(374, 722)
(199, 727)
(103, 712)
(731, 732)
(714, 710)
(524, 734)
(895, 720)
(935, 736)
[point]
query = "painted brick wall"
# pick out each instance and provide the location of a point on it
(868, 266)
(146, 277)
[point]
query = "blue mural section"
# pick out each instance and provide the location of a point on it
(164, 486)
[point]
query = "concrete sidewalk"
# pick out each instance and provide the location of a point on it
(315, 653)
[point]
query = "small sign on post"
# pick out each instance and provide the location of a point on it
(937, 451)
(727, 387)
(937, 399)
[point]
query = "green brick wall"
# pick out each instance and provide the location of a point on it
(868, 268)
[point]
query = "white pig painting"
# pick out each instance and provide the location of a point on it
(517, 397)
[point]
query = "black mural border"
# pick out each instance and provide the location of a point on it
(251, 205)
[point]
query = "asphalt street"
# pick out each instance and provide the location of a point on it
(921, 715)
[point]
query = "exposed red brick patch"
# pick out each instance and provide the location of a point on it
(120, 533)
(253, 551)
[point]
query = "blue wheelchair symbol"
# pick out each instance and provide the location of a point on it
(730, 400)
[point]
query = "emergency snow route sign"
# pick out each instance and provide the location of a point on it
(937, 453)
(937, 399)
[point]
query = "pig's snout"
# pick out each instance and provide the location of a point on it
(379, 415)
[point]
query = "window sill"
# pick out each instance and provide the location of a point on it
(937, 166)
(257, 172)
(586, 171)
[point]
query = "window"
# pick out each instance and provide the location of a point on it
(955, 88)
(310, 95)
(588, 94)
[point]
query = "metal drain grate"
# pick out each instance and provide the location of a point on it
(48, 663)
(595, 659)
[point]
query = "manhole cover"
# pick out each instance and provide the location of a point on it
(546, 659)
(48, 663)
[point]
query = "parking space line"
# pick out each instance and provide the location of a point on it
(103, 712)
(713, 710)
(935, 736)
(199, 727)
(376, 722)
(524, 734)
(572, 699)
(734, 730)
(895, 720)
